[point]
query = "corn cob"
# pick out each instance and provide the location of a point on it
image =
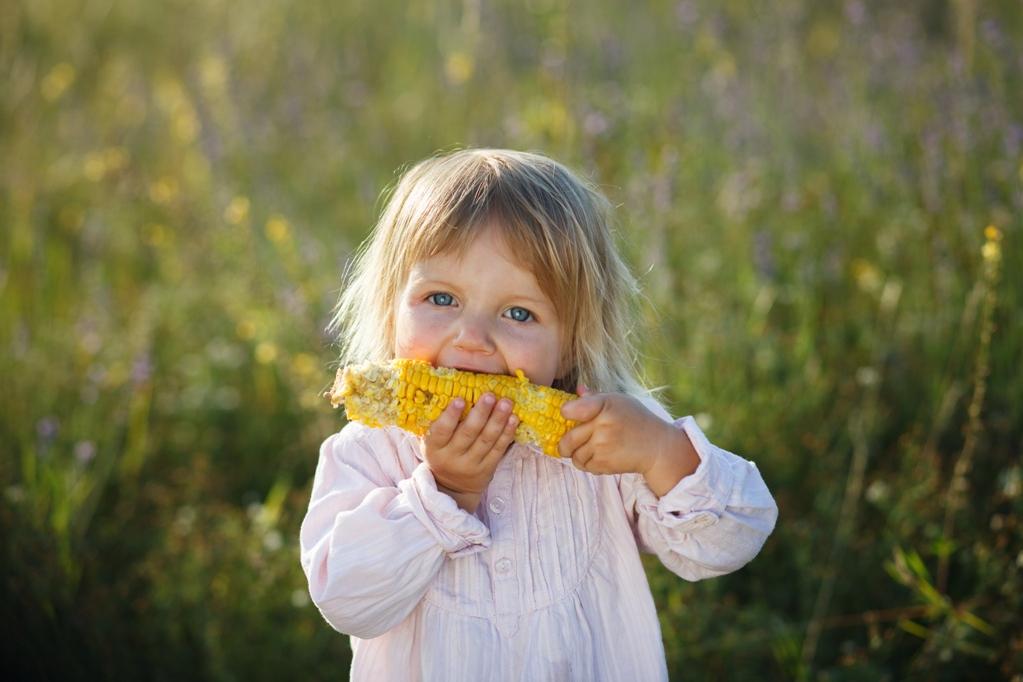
(411, 394)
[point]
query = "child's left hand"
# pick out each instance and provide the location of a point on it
(616, 434)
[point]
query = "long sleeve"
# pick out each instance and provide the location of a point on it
(377, 532)
(713, 522)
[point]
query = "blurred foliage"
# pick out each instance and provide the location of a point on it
(804, 188)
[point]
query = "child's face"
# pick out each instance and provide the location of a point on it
(482, 312)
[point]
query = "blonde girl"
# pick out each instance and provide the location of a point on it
(463, 555)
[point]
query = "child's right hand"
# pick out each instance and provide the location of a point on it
(463, 454)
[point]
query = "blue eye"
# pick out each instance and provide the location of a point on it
(441, 299)
(519, 314)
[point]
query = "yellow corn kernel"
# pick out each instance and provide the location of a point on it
(411, 394)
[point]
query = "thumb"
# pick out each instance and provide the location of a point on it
(583, 409)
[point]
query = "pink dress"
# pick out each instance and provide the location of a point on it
(544, 582)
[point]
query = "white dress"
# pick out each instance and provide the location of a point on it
(544, 582)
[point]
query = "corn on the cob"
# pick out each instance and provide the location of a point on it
(412, 394)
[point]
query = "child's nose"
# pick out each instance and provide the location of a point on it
(473, 335)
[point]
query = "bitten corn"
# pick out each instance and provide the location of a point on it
(412, 394)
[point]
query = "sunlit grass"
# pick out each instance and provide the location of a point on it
(814, 196)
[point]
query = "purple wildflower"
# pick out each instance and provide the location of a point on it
(85, 451)
(142, 369)
(47, 428)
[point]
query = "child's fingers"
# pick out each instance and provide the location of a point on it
(585, 408)
(493, 429)
(443, 427)
(466, 433)
(503, 441)
(582, 456)
(576, 438)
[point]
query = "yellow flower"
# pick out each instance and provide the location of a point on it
(266, 352)
(237, 210)
(185, 124)
(57, 81)
(304, 365)
(115, 158)
(163, 190)
(867, 277)
(459, 67)
(213, 72)
(157, 235)
(278, 230)
(992, 249)
(99, 163)
(246, 329)
(94, 166)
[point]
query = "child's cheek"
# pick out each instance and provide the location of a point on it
(420, 334)
(533, 348)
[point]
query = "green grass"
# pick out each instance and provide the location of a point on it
(803, 189)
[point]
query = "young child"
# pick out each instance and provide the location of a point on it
(463, 555)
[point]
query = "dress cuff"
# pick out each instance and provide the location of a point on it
(458, 532)
(698, 499)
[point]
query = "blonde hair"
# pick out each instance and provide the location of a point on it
(558, 223)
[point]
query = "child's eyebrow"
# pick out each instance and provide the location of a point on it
(541, 301)
(422, 281)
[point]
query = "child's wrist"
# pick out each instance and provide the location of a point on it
(675, 459)
(468, 501)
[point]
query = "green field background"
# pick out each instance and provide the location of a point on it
(822, 201)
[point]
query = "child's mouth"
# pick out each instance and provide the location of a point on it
(476, 370)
